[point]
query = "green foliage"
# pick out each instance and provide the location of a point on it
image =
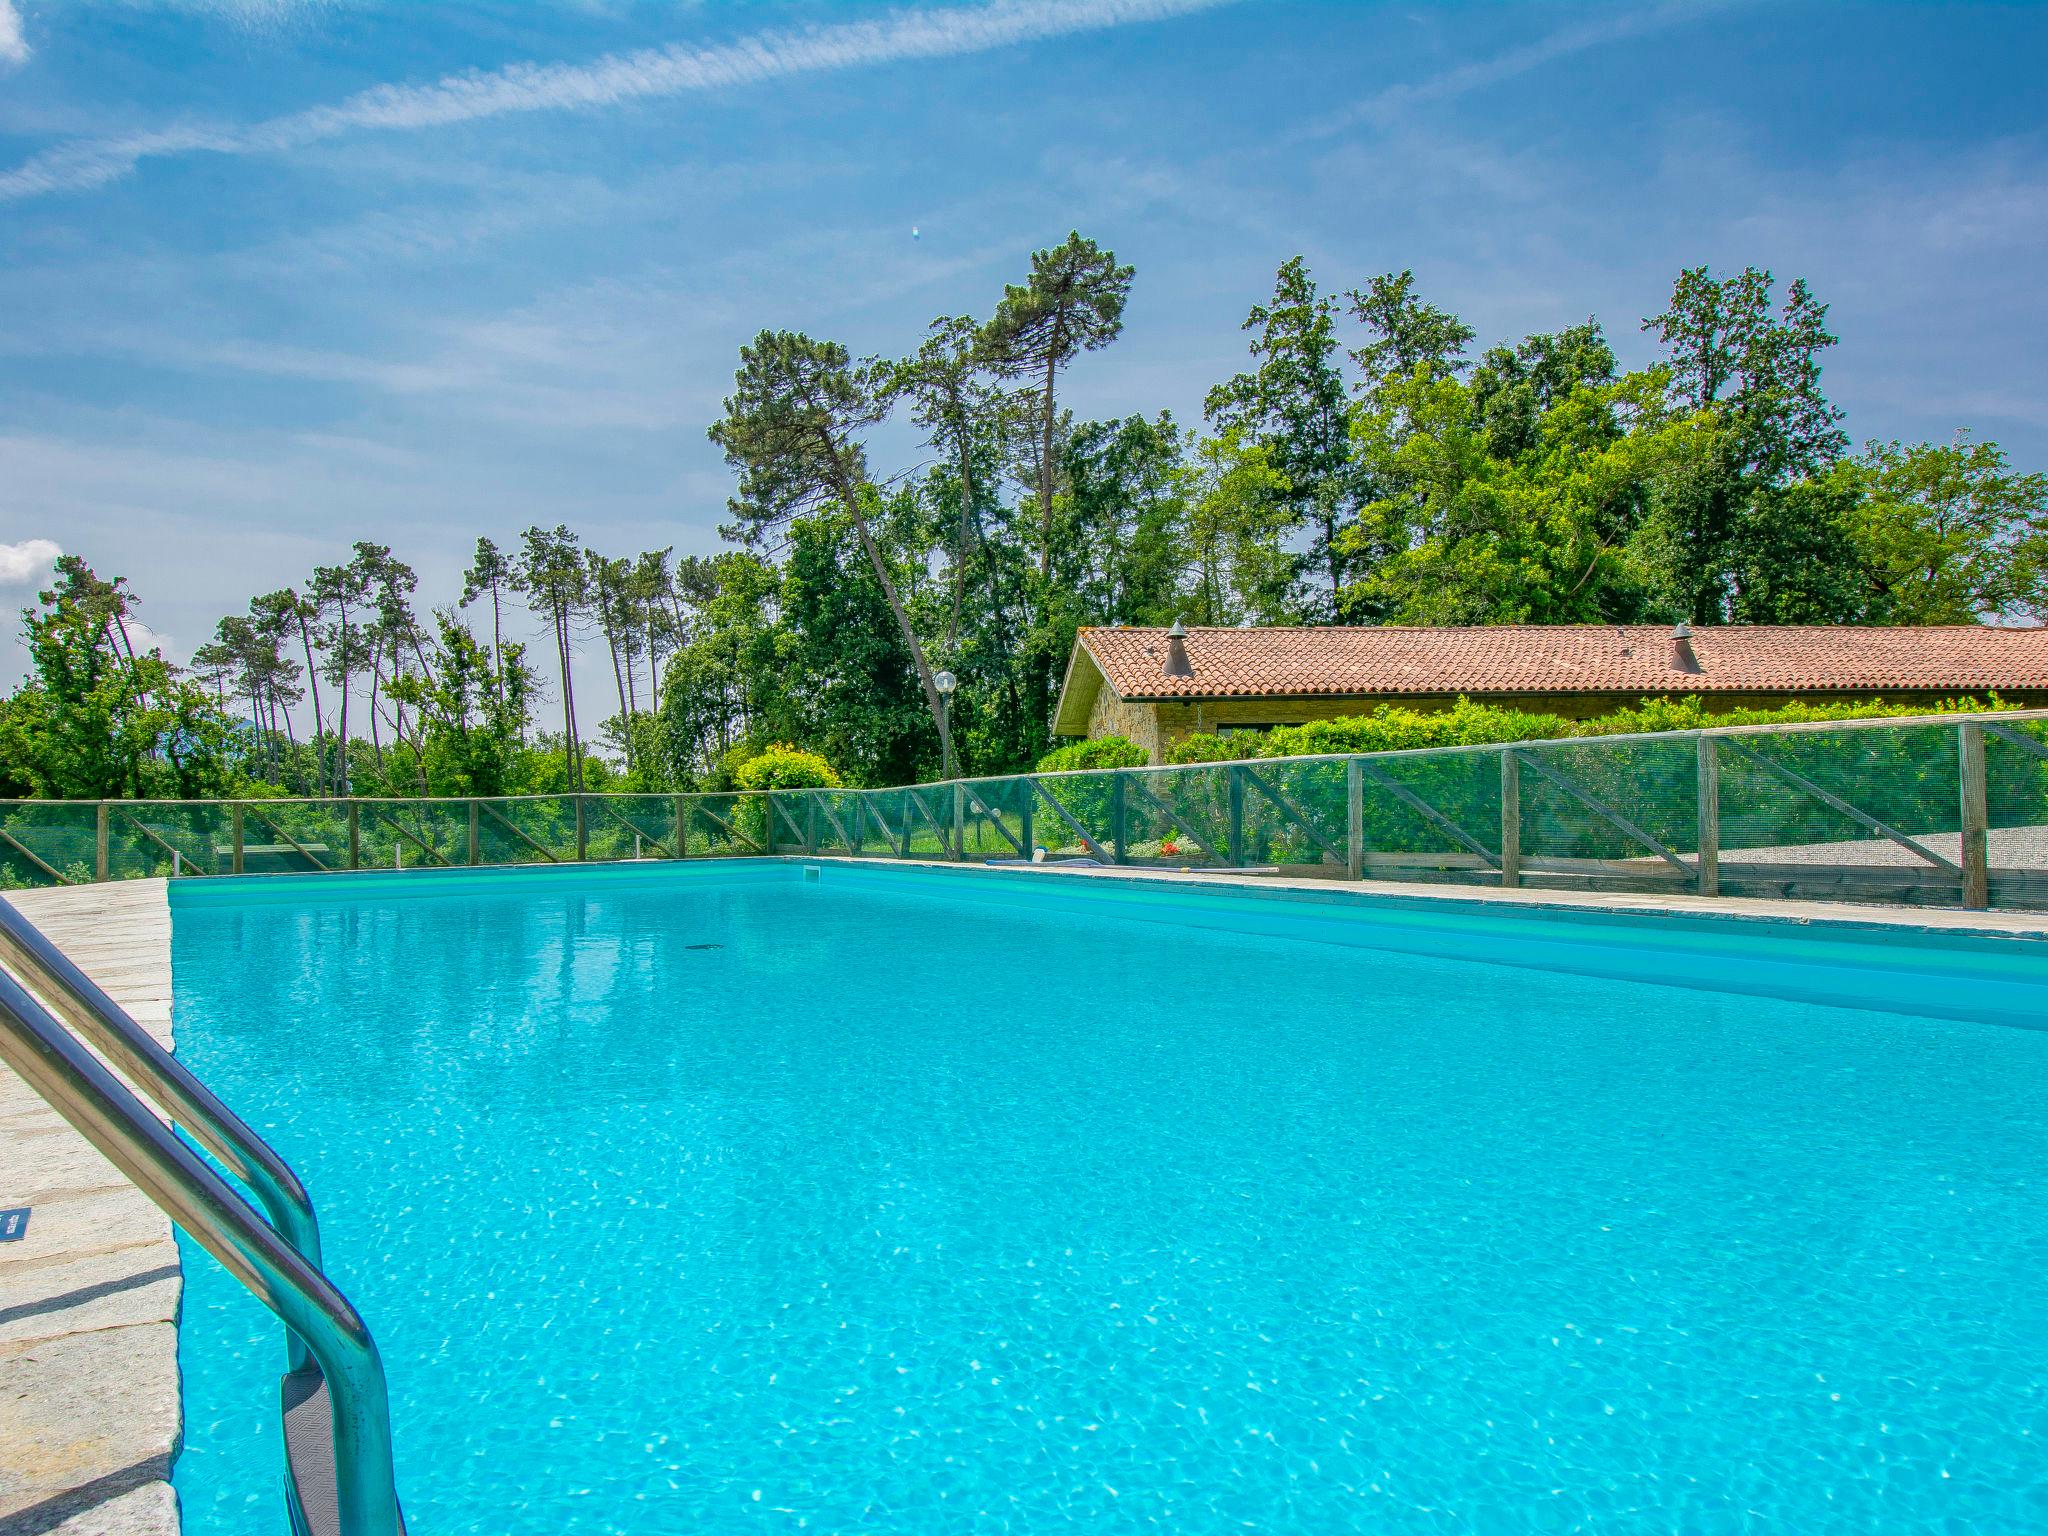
(99, 719)
(473, 712)
(775, 766)
(782, 766)
(1946, 534)
(861, 703)
(1294, 404)
(1394, 728)
(1387, 728)
(1235, 516)
(1690, 714)
(1095, 752)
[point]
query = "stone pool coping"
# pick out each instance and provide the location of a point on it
(89, 1296)
(89, 1384)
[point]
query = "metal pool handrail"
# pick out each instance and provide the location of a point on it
(79, 1087)
(106, 1026)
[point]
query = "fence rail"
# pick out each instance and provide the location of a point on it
(1947, 810)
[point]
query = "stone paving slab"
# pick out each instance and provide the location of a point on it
(89, 1408)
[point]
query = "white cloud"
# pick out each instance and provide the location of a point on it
(13, 46)
(27, 563)
(145, 639)
(649, 73)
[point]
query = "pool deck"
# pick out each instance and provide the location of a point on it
(89, 1412)
(89, 1387)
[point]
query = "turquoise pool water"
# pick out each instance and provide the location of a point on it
(710, 1199)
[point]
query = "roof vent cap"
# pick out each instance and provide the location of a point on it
(1682, 657)
(1177, 663)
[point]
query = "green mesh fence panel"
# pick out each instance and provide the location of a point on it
(1797, 791)
(2016, 807)
(1189, 815)
(1869, 814)
(1433, 815)
(1303, 813)
(152, 837)
(1609, 811)
(635, 826)
(777, 809)
(537, 829)
(841, 825)
(2016, 792)
(1075, 814)
(47, 842)
(294, 837)
(928, 812)
(725, 826)
(1158, 826)
(412, 834)
(874, 830)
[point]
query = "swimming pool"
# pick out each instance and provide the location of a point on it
(713, 1198)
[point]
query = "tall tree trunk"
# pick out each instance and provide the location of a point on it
(625, 712)
(498, 644)
(376, 680)
(343, 782)
(961, 539)
(609, 621)
(319, 723)
(924, 671)
(568, 698)
(1045, 473)
(1336, 567)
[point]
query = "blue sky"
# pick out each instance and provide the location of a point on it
(280, 274)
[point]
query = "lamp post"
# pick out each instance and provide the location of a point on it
(946, 682)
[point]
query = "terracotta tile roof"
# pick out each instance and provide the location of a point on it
(1574, 658)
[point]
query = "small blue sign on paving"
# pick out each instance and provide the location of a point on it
(14, 1224)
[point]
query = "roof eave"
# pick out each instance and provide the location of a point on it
(1077, 694)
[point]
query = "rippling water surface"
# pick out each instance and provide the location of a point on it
(764, 1206)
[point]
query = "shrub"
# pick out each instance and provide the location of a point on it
(782, 766)
(1691, 714)
(1394, 727)
(1387, 728)
(1100, 752)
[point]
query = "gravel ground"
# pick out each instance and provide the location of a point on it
(2010, 848)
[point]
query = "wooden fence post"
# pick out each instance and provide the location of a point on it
(102, 842)
(1234, 847)
(1510, 819)
(1354, 819)
(1708, 879)
(1976, 818)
